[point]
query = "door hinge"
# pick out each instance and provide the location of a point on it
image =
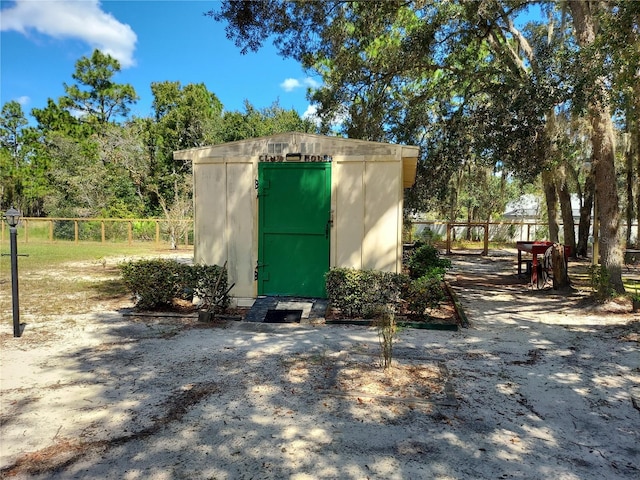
(262, 187)
(255, 272)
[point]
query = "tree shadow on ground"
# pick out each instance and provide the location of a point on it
(163, 398)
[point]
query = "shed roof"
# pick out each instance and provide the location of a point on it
(309, 144)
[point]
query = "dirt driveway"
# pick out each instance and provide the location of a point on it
(538, 387)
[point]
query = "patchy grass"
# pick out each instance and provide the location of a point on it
(632, 285)
(65, 278)
(41, 255)
(581, 278)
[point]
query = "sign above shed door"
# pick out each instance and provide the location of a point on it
(294, 227)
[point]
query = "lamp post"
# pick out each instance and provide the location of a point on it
(13, 217)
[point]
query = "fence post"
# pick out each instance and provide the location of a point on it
(102, 236)
(521, 225)
(486, 239)
(448, 238)
(51, 231)
(157, 231)
(130, 232)
(26, 230)
(76, 235)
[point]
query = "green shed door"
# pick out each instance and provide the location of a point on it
(293, 228)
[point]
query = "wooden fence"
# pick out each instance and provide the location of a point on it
(130, 230)
(102, 230)
(508, 232)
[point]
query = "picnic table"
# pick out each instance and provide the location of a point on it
(534, 249)
(631, 256)
(539, 273)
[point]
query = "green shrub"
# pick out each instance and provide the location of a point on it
(144, 230)
(63, 230)
(360, 293)
(152, 282)
(407, 231)
(601, 283)
(366, 293)
(155, 283)
(89, 231)
(426, 261)
(116, 231)
(422, 293)
(210, 285)
(429, 237)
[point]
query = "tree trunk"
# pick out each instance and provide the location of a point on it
(635, 154)
(586, 204)
(173, 237)
(603, 143)
(456, 186)
(564, 195)
(469, 207)
(551, 197)
(602, 140)
(637, 143)
(559, 265)
(628, 157)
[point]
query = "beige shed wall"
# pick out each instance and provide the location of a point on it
(367, 197)
(225, 211)
(347, 196)
(209, 189)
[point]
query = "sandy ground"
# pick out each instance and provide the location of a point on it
(540, 386)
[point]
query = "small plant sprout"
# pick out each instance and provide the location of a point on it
(385, 322)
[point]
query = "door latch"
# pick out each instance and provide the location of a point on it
(327, 228)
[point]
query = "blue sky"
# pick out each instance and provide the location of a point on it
(40, 41)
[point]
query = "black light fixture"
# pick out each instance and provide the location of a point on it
(294, 157)
(13, 217)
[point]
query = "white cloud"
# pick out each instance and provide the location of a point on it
(290, 84)
(23, 100)
(83, 20)
(311, 82)
(310, 114)
(75, 113)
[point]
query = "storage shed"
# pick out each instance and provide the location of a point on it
(284, 209)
